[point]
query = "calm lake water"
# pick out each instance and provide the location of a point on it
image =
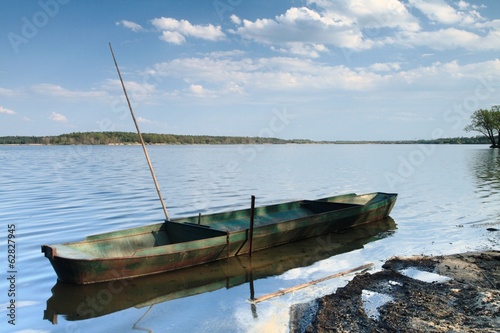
(448, 197)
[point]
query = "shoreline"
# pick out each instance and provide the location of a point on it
(458, 293)
(125, 138)
(249, 144)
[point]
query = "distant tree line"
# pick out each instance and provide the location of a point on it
(130, 138)
(440, 141)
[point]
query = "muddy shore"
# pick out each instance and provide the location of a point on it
(454, 293)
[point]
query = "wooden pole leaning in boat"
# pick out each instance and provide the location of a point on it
(250, 232)
(140, 137)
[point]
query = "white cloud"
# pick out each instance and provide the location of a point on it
(7, 92)
(264, 74)
(4, 110)
(131, 25)
(463, 5)
(144, 120)
(301, 29)
(275, 75)
(363, 25)
(370, 14)
(353, 25)
(226, 54)
(173, 37)
(411, 117)
(58, 91)
(152, 124)
(303, 49)
(440, 11)
(437, 10)
(385, 67)
(235, 19)
(58, 117)
(138, 92)
(173, 29)
(197, 89)
(450, 39)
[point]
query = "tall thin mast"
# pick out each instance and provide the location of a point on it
(140, 137)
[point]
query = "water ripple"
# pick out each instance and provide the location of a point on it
(59, 194)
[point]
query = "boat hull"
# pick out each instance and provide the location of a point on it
(197, 240)
(67, 298)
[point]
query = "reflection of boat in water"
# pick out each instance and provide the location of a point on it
(78, 302)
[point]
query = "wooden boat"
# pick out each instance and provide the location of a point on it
(185, 242)
(77, 301)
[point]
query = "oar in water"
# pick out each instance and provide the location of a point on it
(140, 137)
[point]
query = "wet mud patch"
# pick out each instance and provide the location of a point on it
(455, 293)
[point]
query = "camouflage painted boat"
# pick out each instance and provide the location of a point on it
(85, 301)
(185, 242)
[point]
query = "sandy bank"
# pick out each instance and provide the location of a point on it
(454, 293)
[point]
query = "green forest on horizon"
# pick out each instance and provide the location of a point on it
(130, 138)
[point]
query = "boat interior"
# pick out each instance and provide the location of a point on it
(239, 219)
(128, 242)
(120, 243)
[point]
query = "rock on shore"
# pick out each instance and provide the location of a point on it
(454, 293)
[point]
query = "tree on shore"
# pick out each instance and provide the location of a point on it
(487, 122)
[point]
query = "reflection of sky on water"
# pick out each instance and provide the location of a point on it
(442, 207)
(485, 164)
(56, 194)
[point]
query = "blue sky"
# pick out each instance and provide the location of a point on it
(311, 69)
